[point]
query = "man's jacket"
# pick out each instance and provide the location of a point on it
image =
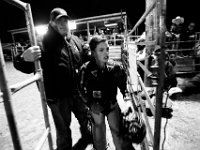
(60, 60)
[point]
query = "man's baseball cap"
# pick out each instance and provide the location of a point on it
(56, 13)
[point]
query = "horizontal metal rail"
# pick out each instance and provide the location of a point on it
(101, 18)
(16, 87)
(180, 50)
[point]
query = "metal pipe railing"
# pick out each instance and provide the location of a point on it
(7, 103)
(143, 17)
(139, 103)
(150, 133)
(18, 86)
(134, 98)
(31, 32)
(161, 10)
(152, 108)
(21, 5)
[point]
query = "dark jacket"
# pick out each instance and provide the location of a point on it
(100, 86)
(192, 86)
(59, 61)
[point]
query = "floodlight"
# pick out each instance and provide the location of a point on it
(72, 25)
(41, 29)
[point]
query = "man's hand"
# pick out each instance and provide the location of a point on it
(32, 54)
(174, 92)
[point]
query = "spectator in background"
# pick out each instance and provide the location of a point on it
(170, 74)
(175, 31)
(189, 36)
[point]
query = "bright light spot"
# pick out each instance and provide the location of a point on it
(72, 25)
(111, 24)
(41, 29)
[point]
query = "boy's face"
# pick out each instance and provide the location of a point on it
(101, 53)
(62, 26)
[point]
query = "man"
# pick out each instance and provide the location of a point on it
(60, 57)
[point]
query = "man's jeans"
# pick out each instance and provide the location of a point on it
(61, 112)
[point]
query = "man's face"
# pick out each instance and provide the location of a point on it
(62, 26)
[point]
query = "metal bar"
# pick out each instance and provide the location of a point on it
(17, 3)
(42, 139)
(143, 17)
(38, 69)
(88, 31)
(145, 43)
(147, 72)
(30, 26)
(147, 124)
(161, 8)
(18, 86)
(136, 103)
(98, 20)
(180, 50)
(101, 17)
(7, 103)
(147, 96)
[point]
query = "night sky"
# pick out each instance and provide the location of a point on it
(13, 18)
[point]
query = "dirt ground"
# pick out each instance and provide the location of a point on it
(182, 130)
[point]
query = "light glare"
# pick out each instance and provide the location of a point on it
(41, 29)
(72, 25)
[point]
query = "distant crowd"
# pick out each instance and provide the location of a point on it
(184, 34)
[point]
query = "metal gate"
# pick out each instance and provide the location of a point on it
(6, 92)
